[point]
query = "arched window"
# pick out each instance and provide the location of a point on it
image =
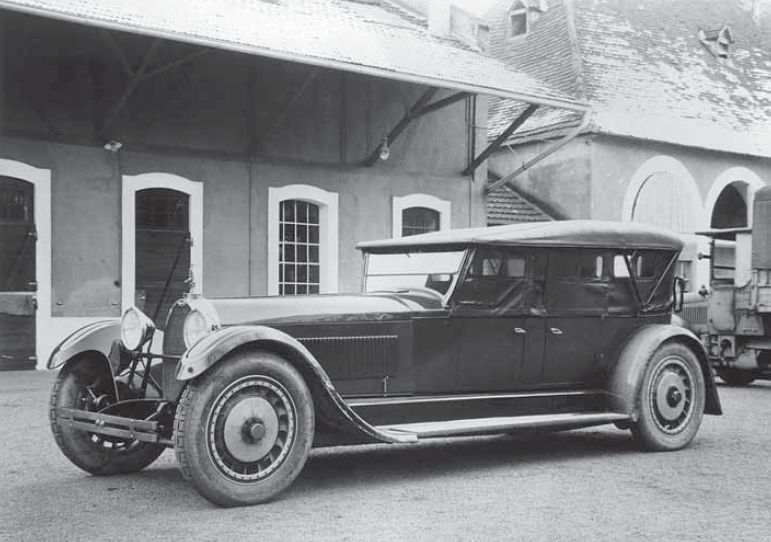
(417, 220)
(419, 213)
(302, 240)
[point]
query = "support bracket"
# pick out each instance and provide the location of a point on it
(501, 139)
(411, 114)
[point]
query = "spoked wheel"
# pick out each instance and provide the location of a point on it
(736, 377)
(86, 384)
(671, 399)
(244, 430)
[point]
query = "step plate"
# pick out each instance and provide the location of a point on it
(479, 426)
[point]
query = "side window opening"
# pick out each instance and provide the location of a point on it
(492, 276)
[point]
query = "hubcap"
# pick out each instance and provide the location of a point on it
(251, 428)
(671, 394)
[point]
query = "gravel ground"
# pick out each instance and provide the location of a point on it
(579, 485)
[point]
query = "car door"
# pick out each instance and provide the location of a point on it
(492, 338)
(575, 295)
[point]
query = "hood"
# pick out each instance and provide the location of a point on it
(316, 308)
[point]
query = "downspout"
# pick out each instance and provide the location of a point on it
(570, 136)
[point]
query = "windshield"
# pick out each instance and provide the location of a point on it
(408, 270)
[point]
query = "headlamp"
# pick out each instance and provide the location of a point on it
(135, 329)
(197, 325)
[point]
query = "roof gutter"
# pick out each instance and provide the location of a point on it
(304, 59)
(570, 136)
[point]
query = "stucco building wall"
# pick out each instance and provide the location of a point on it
(235, 124)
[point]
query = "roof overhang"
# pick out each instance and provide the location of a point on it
(291, 31)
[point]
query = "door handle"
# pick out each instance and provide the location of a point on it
(519, 331)
(555, 331)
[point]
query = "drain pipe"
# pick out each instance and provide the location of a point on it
(570, 136)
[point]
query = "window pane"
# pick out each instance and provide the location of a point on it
(417, 220)
(299, 250)
(515, 266)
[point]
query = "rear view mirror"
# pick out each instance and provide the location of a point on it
(439, 277)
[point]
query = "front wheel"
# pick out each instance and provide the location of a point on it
(671, 399)
(86, 384)
(243, 431)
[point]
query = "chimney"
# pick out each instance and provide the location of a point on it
(439, 17)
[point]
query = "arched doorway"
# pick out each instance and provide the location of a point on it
(663, 193)
(731, 207)
(162, 240)
(18, 283)
(162, 268)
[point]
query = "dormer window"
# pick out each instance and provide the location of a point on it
(518, 19)
(718, 41)
(523, 13)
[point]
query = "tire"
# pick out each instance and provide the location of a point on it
(243, 430)
(671, 399)
(736, 377)
(95, 454)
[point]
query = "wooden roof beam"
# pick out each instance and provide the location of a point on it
(501, 139)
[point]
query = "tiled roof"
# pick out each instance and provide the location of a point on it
(643, 70)
(506, 206)
(363, 37)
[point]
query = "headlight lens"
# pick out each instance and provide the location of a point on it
(135, 328)
(197, 325)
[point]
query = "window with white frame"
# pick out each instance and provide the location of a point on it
(303, 239)
(419, 213)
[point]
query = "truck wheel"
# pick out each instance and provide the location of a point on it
(736, 377)
(244, 429)
(671, 399)
(84, 384)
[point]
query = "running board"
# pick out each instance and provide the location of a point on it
(410, 432)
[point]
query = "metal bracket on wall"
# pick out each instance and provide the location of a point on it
(585, 121)
(419, 108)
(501, 139)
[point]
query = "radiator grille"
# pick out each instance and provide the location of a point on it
(349, 358)
(174, 345)
(695, 314)
(173, 340)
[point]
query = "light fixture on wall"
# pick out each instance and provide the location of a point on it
(113, 146)
(385, 152)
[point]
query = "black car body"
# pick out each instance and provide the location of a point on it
(549, 325)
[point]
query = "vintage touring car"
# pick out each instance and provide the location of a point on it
(491, 330)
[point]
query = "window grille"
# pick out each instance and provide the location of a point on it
(162, 208)
(16, 201)
(417, 220)
(298, 260)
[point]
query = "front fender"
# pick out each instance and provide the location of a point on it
(96, 337)
(213, 348)
(627, 376)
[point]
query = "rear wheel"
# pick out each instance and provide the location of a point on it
(243, 431)
(86, 384)
(736, 377)
(671, 400)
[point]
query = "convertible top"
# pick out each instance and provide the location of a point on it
(565, 233)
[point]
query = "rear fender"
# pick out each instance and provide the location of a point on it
(626, 379)
(216, 347)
